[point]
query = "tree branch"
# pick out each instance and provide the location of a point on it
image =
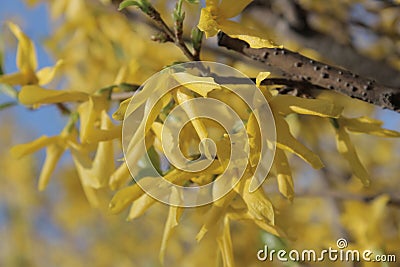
(301, 68)
(275, 14)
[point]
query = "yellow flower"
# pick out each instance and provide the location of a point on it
(215, 214)
(367, 125)
(281, 107)
(91, 112)
(283, 174)
(225, 243)
(348, 151)
(126, 196)
(174, 215)
(346, 147)
(56, 145)
(285, 140)
(364, 221)
(215, 17)
(96, 173)
(27, 63)
(258, 205)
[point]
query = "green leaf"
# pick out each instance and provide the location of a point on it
(192, 1)
(144, 5)
(125, 4)
(178, 15)
(196, 36)
(7, 105)
(8, 90)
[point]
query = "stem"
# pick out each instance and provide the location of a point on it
(63, 109)
(156, 17)
(179, 6)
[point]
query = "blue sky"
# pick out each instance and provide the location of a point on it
(35, 22)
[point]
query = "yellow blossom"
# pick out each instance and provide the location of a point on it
(215, 17)
(225, 243)
(56, 145)
(346, 147)
(96, 173)
(174, 215)
(27, 63)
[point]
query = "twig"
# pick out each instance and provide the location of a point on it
(177, 38)
(63, 109)
(301, 68)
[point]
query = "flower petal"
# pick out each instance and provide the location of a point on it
(139, 207)
(286, 104)
(174, 215)
(124, 197)
(17, 78)
(120, 112)
(26, 55)
(45, 75)
(90, 113)
(53, 155)
(200, 85)
(227, 9)
(207, 23)
(33, 94)
(97, 173)
(258, 205)
(225, 243)
(21, 150)
(346, 148)
(190, 109)
(215, 213)
(284, 174)
(286, 141)
(254, 134)
(103, 163)
(254, 38)
(367, 125)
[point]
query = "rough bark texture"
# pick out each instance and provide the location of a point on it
(301, 68)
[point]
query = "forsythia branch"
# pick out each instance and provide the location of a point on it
(174, 36)
(301, 68)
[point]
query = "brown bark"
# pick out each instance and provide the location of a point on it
(301, 68)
